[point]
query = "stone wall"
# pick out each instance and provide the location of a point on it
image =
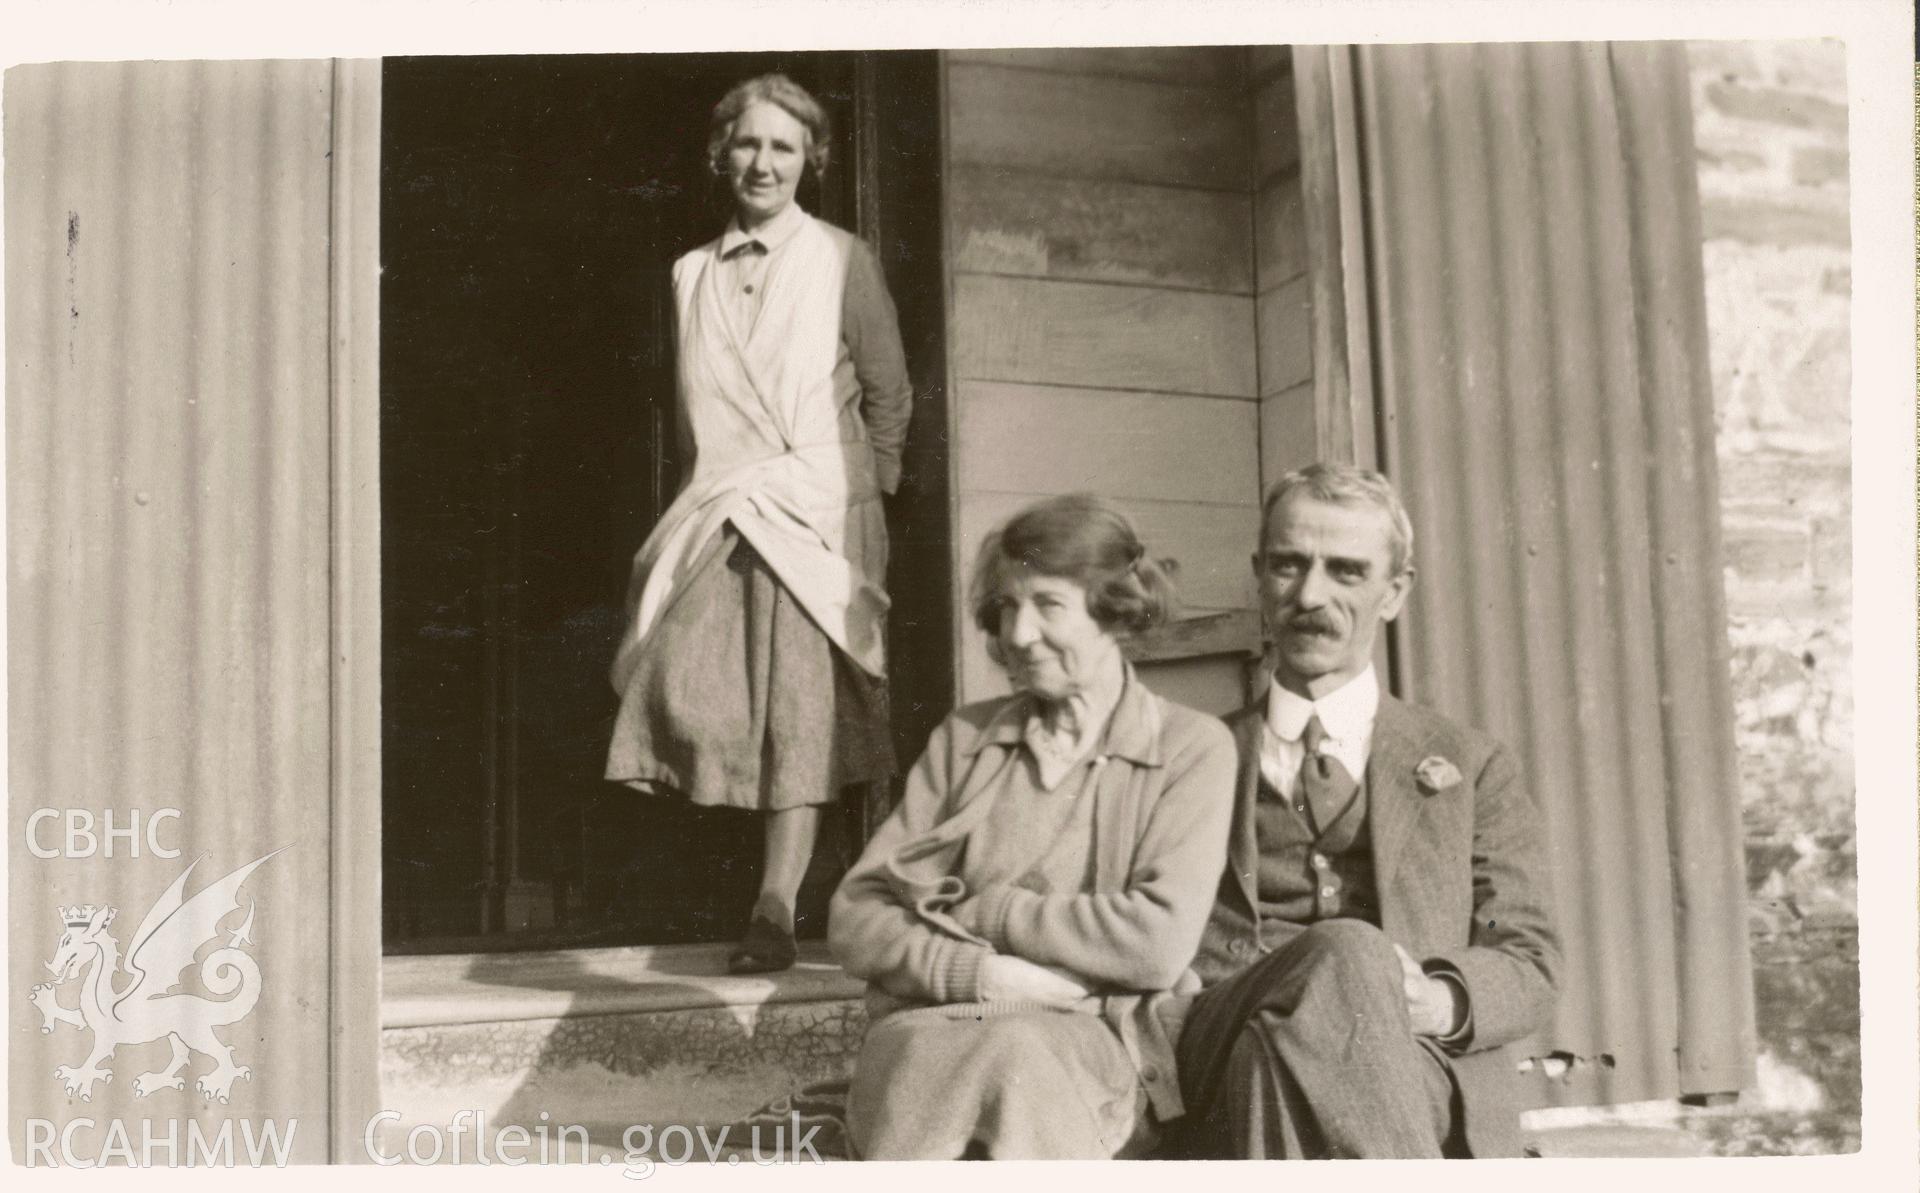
(1771, 137)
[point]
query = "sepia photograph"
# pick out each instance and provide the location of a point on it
(760, 601)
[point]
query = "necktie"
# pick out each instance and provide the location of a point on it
(1328, 788)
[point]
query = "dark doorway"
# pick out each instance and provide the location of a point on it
(531, 208)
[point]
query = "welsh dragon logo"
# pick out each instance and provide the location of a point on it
(128, 1001)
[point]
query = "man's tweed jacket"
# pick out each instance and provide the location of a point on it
(1462, 877)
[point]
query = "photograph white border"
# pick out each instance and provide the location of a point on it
(1879, 39)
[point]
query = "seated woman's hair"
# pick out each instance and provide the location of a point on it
(782, 93)
(1082, 538)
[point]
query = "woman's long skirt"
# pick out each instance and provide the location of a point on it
(1003, 1081)
(741, 701)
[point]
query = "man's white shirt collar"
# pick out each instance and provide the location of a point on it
(1346, 714)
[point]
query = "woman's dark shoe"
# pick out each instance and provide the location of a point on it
(766, 948)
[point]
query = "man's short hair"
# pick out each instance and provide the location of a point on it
(1349, 485)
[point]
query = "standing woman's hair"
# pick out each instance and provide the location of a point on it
(782, 93)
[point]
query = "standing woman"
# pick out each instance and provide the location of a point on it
(752, 669)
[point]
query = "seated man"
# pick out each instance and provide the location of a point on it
(1375, 942)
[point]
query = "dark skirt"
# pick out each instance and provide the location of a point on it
(740, 700)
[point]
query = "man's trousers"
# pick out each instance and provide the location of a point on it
(1308, 1053)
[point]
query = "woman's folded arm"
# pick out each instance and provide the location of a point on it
(872, 934)
(1142, 937)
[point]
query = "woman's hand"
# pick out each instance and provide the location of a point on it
(1004, 978)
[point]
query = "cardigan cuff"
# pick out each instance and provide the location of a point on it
(956, 972)
(989, 915)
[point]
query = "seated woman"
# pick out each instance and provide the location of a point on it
(1045, 879)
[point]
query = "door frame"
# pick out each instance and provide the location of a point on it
(354, 656)
(920, 518)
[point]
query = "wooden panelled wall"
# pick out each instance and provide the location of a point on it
(1284, 307)
(1129, 313)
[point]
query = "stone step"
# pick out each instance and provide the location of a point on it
(622, 1046)
(605, 1039)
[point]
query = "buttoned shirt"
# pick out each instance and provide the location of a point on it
(744, 259)
(1347, 716)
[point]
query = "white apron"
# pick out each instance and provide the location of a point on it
(770, 455)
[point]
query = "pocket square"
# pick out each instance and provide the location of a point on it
(1435, 774)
